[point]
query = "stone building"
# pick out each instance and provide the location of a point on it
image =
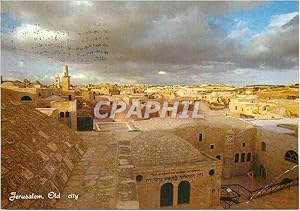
(245, 147)
(235, 146)
(171, 173)
(57, 81)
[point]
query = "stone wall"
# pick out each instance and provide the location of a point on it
(273, 157)
(213, 144)
(203, 187)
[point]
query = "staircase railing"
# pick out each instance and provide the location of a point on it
(236, 193)
(273, 188)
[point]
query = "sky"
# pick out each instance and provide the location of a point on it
(235, 43)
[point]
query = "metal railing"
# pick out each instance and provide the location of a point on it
(236, 193)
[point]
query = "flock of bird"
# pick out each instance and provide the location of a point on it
(87, 45)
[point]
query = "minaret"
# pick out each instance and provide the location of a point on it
(66, 79)
(57, 81)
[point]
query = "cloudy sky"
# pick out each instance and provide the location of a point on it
(235, 43)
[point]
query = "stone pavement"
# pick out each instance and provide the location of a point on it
(127, 193)
(95, 178)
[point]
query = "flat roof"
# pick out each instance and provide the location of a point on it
(271, 124)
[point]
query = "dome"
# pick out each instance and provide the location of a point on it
(248, 91)
(161, 148)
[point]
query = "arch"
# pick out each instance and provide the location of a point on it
(236, 157)
(67, 115)
(291, 156)
(243, 157)
(166, 194)
(263, 146)
(26, 98)
(184, 191)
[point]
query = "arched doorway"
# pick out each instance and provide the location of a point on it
(262, 171)
(26, 98)
(184, 190)
(166, 195)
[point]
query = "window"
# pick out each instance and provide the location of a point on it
(291, 156)
(166, 195)
(26, 98)
(212, 146)
(184, 189)
(249, 156)
(200, 137)
(263, 146)
(236, 158)
(67, 114)
(211, 172)
(62, 115)
(243, 157)
(40, 94)
(235, 107)
(139, 178)
(244, 144)
(218, 157)
(70, 97)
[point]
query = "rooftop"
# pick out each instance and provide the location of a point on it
(161, 148)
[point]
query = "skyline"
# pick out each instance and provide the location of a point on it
(235, 43)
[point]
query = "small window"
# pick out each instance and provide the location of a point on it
(236, 158)
(200, 137)
(70, 97)
(235, 107)
(212, 146)
(26, 98)
(291, 156)
(249, 156)
(211, 172)
(62, 114)
(244, 144)
(218, 157)
(67, 114)
(139, 178)
(40, 94)
(243, 157)
(263, 146)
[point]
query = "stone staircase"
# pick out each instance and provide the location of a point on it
(127, 190)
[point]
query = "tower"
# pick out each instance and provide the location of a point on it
(66, 79)
(57, 81)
